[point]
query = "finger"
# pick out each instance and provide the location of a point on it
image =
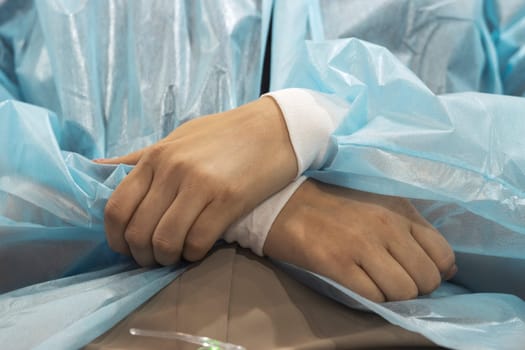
(170, 233)
(131, 159)
(357, 280)
(122, 204)
(139, 231)
(435, 245)
(423, 271)
(208, 227)
(451, 273)
(391, 278)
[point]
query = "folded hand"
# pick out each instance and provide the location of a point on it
(378, 246)
(188, 188)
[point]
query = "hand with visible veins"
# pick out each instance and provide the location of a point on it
(378, 246)
(189, 187)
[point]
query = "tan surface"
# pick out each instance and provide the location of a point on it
(237, 297)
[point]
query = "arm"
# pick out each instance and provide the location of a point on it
(378, 246)
(310, 117)
(188, 188)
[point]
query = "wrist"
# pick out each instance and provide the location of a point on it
(285, 232)
(268, 126)
(310, 117)
(271, 112)
(251, 231)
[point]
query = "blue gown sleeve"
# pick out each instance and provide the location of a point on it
(456, 152)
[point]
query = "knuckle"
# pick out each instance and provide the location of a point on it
(190, 166)
(152, 154)
(194, 249)
(165, 247)
(156, 150)
(197, 176)
(229, 193)
(113, 212)
(175, 164)
(383, 217)
(136, 238)
(182, 164)
(166, 253)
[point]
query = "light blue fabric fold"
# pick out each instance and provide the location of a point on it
(98, 79)
(107, 88)
(458, 155)
(120, 75)
(68, 313)
(450, 316)
(448, 44)
(506, 21)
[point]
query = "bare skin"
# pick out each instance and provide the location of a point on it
(188, 188)
(378, 246)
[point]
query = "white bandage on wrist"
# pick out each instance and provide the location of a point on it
(251, 230)
(311, 117)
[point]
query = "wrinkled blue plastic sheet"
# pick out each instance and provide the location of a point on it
(68, 313)
(459, 156)
(448, 44)
(452, 46)
(506, 20)
(450, 316)
(120, 75)
(96, 83)
(51, 226)
(466, 179)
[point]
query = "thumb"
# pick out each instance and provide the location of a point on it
(130, 159)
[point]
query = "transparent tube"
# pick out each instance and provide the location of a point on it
(205, 342)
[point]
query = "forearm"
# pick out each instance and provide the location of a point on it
(310, 118)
